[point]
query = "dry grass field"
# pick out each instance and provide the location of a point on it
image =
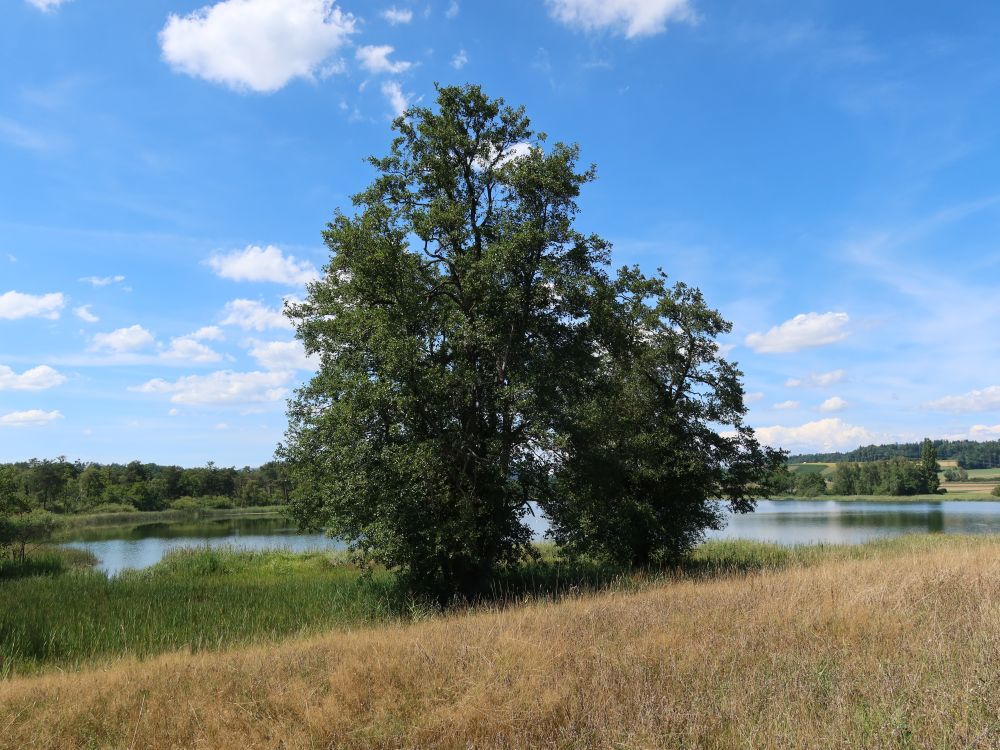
(891, 646)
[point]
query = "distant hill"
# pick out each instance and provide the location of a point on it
(968, 453)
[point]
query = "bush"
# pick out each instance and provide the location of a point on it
(996, 490)
(112, 508)
(206, 502)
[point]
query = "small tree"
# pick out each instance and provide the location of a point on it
(18, 531)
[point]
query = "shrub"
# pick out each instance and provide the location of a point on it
(112, 508)
(206, 502)
(996, 490)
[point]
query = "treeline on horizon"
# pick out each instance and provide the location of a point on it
(62, 486)
(969, 454)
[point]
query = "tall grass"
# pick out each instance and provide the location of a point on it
(192, 599)
(887, 645)
(211, 599)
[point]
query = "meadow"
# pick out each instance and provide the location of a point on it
(889, 645)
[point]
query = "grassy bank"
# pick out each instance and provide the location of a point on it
(211, 599)
(977, 494)
(134, 518)
(889, 645)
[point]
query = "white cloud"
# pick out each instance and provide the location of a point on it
(123, 340)
(787, 405)
(817, 380)
(188, 349)
(375, 59)
(221, 388)
(452, 11)
(97, 281)
(256, 45)
(283, 355)
(985, 432)
(36, 379)
(396, 15)
(834, 403)
(987, 399)
(208, 333)
(395, 96)
(459, 60)
(253, 316)
(803, 331)
(173, 412)
(262, 264)
(83, 313)
(753, 397)
(11, 257)
(30, 418)
(15, 305)
(632, 18)
(46, 5)
(828, 434)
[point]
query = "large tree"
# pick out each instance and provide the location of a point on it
(470, 339)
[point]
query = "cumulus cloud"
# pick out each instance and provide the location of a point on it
(123, 340)
(817, 380)
(984, 432)
(459, 60)
(834, 403)
(255, 45)
(189, 349)
(269, 263)
(393, 93)
(46, 6)
(36, 379)
(830, 434)
(753, 397)
(283, 355)
(632, 18)
(208, 333)
(396, 15)
(83, 313)
(253, 316)
(16, 305)
(97, 281)
(221, 388)
(375, 59)
(986, 399)
(801, 332)
(787, 405)
(30, 418)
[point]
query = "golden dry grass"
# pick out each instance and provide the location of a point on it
(895, 649)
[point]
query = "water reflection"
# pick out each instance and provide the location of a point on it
(806, 522)
(146, 544)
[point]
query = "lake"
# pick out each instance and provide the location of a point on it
(780, 521)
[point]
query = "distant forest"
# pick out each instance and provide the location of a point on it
(968, 453)
(62, 486)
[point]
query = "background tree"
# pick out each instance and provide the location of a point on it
(472, 343)
(929, 466)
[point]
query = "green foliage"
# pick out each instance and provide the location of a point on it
(476, 356)
(956, 475)
(63, 487)
(970, 454)
(996, 490)
(20, 530)
(896, 476)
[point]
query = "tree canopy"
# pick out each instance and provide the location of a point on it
(478, 360)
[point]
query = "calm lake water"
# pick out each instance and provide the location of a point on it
(780, 521)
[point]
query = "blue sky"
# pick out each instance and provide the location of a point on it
(826, 172)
